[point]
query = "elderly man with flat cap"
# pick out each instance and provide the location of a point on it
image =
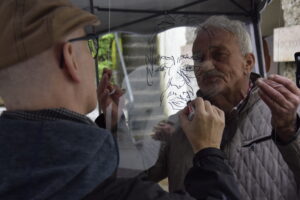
(49, 149)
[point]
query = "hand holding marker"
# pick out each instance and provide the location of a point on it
(191, 111)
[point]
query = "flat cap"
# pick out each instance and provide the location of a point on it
(30, 27)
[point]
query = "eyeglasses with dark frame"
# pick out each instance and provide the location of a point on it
(92, 43)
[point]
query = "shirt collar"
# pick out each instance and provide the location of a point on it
(243, 102)
(48, 115)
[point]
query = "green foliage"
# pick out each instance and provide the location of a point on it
(105, 52)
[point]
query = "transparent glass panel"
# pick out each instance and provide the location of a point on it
(158, 79)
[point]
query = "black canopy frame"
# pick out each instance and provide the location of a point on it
(139, 15)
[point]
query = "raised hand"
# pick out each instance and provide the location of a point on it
(163, 130)
(109, 98)
(283, 98)
(206, 128)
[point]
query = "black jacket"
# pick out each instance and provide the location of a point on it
(209, 178)
(59, 155)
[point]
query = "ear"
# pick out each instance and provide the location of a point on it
(249, 62)
(70, 62)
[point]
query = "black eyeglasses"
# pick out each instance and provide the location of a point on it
(92, 43)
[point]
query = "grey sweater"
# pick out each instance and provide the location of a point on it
(265, 169)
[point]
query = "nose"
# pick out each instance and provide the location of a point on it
(204, 66)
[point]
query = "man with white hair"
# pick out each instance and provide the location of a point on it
(261, 132)
(49, 149)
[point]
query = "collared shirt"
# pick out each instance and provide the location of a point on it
(49, 115)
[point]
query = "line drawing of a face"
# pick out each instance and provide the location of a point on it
(178, 70)
(179, 74)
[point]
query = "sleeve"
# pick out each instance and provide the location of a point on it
(159, 170)
(210, 177)
(290, 151)
(121, 128)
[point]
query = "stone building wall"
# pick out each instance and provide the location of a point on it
(288, 70)
(291, 12)
(291, 15)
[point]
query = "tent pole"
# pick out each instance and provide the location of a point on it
(163, 12)
(258, 43)
(239, 6)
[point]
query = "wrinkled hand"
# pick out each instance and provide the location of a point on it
(206, 128)
(163, 131)
(283, 98)
(108, 98)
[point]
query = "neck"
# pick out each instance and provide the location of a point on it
(229, 99)
(31, 101)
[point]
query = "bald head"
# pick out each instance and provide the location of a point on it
(24, 78)
(44, 81)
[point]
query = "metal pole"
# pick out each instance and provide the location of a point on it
(131, 99)
(239, 6)
(164, 12)
(258, 43)
(155, 15)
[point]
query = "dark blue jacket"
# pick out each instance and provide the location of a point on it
(66, 160)
(53, 159)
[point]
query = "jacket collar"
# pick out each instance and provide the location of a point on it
(249, 100)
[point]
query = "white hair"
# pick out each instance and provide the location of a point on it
(237, 28)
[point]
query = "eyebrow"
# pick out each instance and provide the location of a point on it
(218, 47)
(222, 47)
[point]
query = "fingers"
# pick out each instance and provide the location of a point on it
(199, 106)
(116, 93)
(103, 92)
(290, 85)
(108, 72)
(221, 114)
(158, 127)
(285, 87)
(208, 107)
(183, 116)
(107, 91)
(214, 112)
(163, 129)
(105, 81)
(273, 93)
(103, 84)
(277, 96)
(206, 128)
(185, 110)
(283, 98)
(273, 105)
(103, 100)
(204, 107)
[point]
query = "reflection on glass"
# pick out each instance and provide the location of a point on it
(161, 77)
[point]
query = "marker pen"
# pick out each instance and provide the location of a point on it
(191, 111)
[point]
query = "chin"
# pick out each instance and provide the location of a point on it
(211, 92)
